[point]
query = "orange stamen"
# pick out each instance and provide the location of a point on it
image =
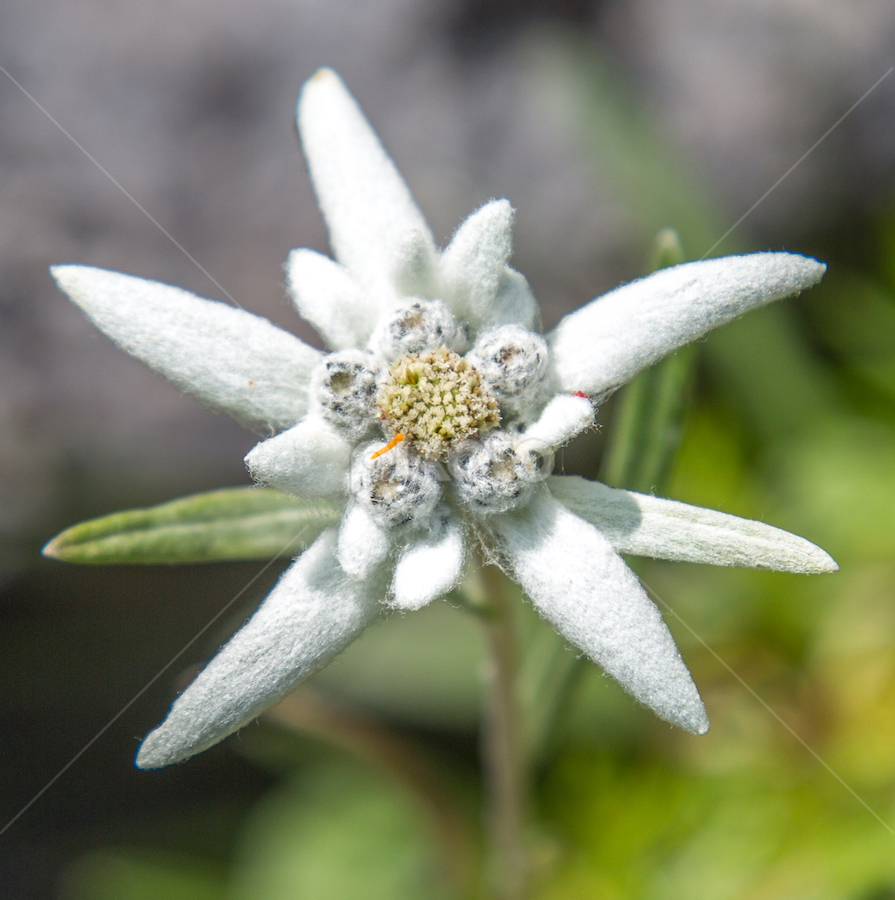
(390, 445)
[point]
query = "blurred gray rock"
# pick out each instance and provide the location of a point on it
(189, 108)
(746, 87)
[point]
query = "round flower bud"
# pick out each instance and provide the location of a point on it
(512, 361)
(494, 475)
(417, 326)
(397, 487)
(344, 386)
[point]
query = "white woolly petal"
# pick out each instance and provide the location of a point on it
(309, 460)
(367, 206)
(473, 264)
(312, 614)
(415, 272)
(429, 567)
(665, 529)
(577, 581)
(363, 542)
(514, 303)
(229, 359)
(605, 343)
(563, 417)
(330, 299)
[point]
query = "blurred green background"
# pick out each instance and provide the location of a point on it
(602, 123)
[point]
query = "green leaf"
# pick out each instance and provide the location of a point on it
(647, 424)
(229, 524)
(667, 250)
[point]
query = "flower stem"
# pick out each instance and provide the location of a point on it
(648, 419)
(504, 758)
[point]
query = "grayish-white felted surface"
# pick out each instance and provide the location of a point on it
(309, 460)
(644, 525)
(329, 298)
(474, 261)
(564, 417)
(229, 359)
(367, 206)
(515, 304)
(363, 542)
(579, 584)
(605, 343)
(312, 614)
(569, 568)
(429, 567)
(477, 281)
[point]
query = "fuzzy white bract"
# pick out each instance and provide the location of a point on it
(433, 419)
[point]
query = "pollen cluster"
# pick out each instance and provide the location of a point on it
(435, 399)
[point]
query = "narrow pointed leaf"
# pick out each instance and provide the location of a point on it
(644, 525)
(579, 584)
(229, 359)
(230, 524)
(647, 421)
(330, 299)
(605, 343)
(366, 203)
(475, 259)
(314, 612)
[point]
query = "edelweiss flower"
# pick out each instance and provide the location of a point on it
(432, 418)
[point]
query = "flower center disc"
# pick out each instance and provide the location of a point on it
(436, 399)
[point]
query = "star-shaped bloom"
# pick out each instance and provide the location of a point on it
(432, 418)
